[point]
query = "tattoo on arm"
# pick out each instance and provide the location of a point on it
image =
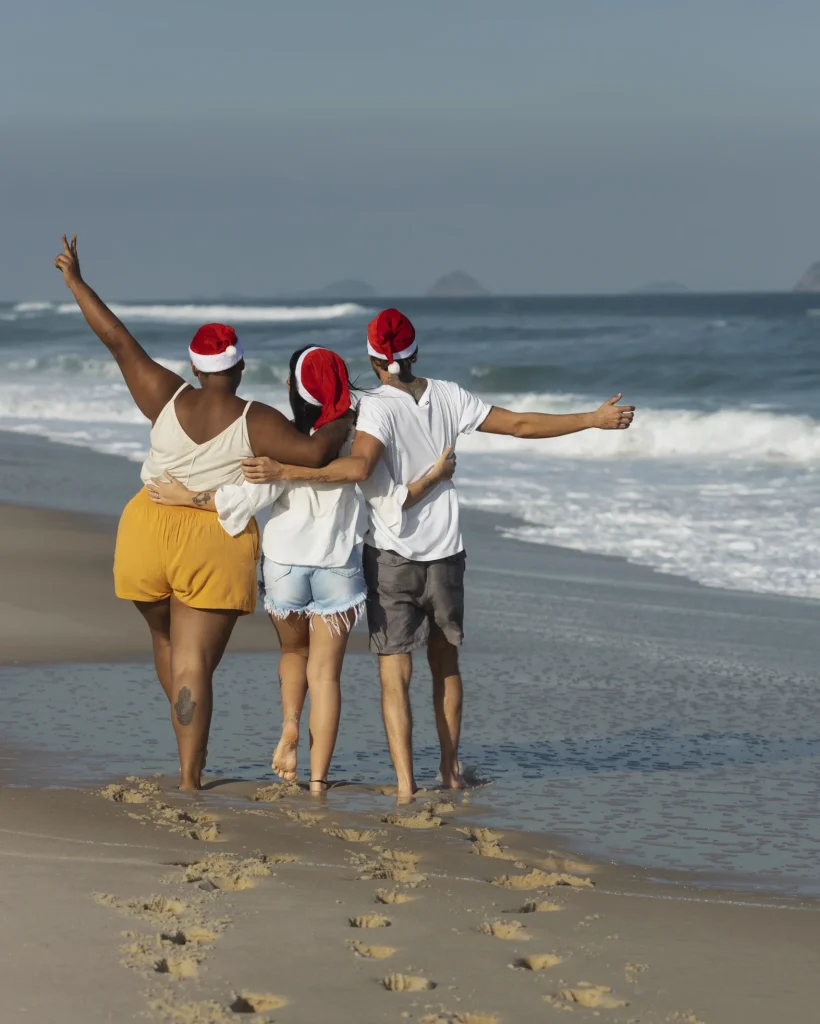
(202, 498)
(185, 707)
(113, 327)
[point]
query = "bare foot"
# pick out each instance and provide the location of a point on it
(284, 757)
(406, 794)
(451, 777)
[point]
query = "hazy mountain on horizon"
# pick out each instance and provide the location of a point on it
(810, 281)
(457, 284)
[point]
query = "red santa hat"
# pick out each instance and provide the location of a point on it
(215, 347)
(391, 336)
(321, 379)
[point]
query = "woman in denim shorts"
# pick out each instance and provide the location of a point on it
(312, 582)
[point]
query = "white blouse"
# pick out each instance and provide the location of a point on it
(312, 524)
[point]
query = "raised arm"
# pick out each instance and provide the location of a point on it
(610, 416)
(273, 436)
(351, 469)
(151, 385)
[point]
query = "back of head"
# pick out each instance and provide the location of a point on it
(391, 341)
(319, 388)
(215, 349)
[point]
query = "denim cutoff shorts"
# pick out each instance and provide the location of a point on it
(314, 590)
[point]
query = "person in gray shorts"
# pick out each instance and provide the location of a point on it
(414, 570)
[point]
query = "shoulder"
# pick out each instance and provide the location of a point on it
(450, 391)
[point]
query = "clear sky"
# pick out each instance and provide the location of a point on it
(261, 147)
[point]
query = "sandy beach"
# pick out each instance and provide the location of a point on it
(126, 901)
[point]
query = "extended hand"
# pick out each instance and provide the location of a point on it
(167, 490)
(445, 464)
(612, 416)
(262, 470)
(68, 262)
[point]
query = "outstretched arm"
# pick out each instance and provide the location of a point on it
(610, 416)
(151, 385)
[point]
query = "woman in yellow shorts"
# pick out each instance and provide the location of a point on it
(188, 578)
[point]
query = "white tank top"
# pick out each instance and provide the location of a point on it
(201, 467)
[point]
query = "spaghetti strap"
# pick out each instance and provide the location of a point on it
(245, 410)
(179, 391)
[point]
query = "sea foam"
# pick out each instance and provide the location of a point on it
(191, 313)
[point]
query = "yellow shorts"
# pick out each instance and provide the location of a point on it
(165, 549)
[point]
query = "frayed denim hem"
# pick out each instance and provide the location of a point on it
(336, 619)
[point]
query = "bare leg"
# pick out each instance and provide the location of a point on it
(324, 673)
(198, 641)
(294, 639)
(442, 657)
(158, 616)
(396, 671)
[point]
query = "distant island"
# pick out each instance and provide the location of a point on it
(457, 285)
(348, 288)
(810, 281)
(661, 288)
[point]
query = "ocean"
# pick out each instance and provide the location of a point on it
(716, 481)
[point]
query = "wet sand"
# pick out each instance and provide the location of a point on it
(112, 916)
(136, 904)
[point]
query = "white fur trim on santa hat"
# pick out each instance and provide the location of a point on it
(404, 354)
(226, 360)
(300, 387)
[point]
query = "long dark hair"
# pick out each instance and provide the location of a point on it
(304, 414)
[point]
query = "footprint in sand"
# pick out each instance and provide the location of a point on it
(352, 835)
(534, 907)
(481, 835)
(195, 935)
(145, 953)
(541, 880)
(306, 817)
(231, 873)
(156, 909)
(596, 997)
(370, 952)
(403, 872)
(397, 856)
(504, 930)
(493, 850)
(420, 820)
(407, 983)
(538, 962)
(369, 921)
(393, 896)
(440, 807)
(276, 791)
(256, 1002)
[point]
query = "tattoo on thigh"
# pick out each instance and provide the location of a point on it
(185, 707)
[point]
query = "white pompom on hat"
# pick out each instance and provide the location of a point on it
(215, 347)
(391, 336)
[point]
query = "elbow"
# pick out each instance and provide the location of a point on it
(521, 429)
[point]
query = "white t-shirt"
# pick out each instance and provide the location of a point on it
(312, 524)
(414, 435)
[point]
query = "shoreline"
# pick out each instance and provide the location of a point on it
(564, 621)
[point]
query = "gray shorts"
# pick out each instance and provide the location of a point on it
(409, 601)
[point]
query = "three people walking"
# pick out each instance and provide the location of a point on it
(364, 516)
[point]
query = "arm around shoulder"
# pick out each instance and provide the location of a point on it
(273, 436)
